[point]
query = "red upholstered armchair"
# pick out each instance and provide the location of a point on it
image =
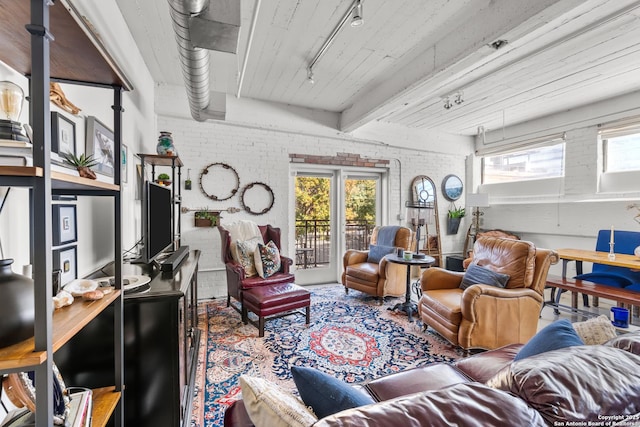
(237, 279)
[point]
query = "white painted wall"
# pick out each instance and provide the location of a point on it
(95, 218)
(256, 140)
(568, 212)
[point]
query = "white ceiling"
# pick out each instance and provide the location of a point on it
(410, 54)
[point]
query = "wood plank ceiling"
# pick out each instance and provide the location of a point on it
(400, 66)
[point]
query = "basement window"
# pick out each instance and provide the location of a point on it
(534, 163)
(622, 153)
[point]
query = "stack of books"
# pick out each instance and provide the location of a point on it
(79, 414)
(15, 153)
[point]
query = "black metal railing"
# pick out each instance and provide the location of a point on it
(313, 240)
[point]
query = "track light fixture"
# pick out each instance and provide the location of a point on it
(355, 13)
(356, 18)
(459, 100)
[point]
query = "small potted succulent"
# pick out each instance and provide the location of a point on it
(164, 179)
(82, 163)
(454, 216)
(206, 218)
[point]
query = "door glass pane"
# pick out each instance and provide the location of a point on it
(313, 219)
(360, 211)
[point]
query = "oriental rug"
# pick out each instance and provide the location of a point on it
(351, 337)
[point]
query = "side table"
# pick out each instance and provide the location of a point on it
(408, 306)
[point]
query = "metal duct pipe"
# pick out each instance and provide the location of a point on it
(194, 61)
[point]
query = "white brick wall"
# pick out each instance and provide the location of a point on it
(260, 154)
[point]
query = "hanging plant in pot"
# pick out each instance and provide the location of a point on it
(82, 163)
(454, 216)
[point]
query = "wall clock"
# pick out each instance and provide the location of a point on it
(452, 187)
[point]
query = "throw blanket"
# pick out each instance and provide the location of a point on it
(387, 235)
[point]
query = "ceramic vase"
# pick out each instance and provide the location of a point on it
(165, 144)
(17, 314)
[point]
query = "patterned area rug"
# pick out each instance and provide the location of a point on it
(351, 337)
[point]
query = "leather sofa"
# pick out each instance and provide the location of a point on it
(596, 383)
(379, 279)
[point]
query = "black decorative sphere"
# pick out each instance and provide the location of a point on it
(17, 299)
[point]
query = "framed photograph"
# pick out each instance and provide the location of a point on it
(63, 134)
(100, 144)
(124, 159)
(66, 260)
(64, 224)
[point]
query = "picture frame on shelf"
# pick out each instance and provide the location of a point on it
(66, 260)
(100, 144)
(63, 134)
(124, 160)
(64, 224)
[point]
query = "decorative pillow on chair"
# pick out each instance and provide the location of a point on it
(267, 259)
(476, 274)
(595, 331)
(559, 334)
(325, 394)
(245, 253)
(270, 406)
(377, 252)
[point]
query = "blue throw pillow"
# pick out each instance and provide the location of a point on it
(476, 274)
(325, 394)
(559, 334)
(377, 252)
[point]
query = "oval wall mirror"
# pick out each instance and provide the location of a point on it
(452, 187)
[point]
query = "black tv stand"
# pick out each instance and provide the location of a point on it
(172, 262)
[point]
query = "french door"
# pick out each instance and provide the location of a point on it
(336, 209)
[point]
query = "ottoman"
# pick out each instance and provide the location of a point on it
(273, 301)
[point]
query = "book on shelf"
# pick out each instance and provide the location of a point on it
(80, 407)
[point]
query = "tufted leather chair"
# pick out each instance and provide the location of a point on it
(237, 280)
(377, 279)
(485, 316)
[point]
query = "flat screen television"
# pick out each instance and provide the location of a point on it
(157, 221)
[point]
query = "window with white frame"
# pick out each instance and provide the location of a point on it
(621, 153)
(527, 164)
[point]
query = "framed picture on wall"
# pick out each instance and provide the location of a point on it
(100, 144)
(64, 224)
(63, 134)
(66, 260)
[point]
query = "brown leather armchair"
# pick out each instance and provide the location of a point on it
(377, 279)
(485, 316)
(237, 280)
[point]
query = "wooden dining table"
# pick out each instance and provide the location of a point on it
(581, 255)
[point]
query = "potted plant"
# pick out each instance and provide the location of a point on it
(454, 216)
(206, 218)
(164, 179)
(82, 163)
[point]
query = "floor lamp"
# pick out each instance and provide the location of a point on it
(476, 201)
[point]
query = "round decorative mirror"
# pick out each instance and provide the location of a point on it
(452, 187)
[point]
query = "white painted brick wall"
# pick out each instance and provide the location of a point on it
(263, 155)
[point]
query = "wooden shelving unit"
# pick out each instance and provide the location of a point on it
(47, 41)
(67, 321)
